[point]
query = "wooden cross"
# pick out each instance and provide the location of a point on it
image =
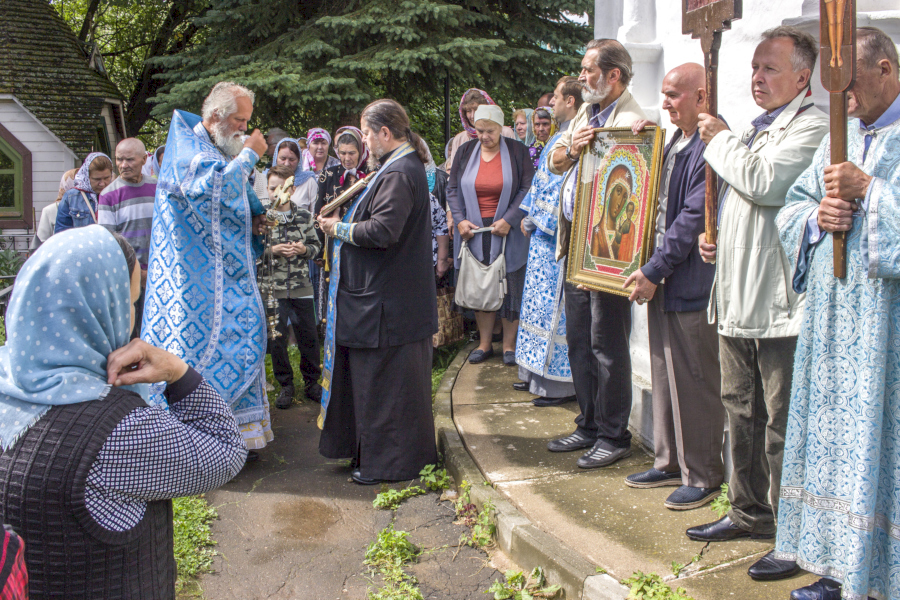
(837, 57)
(707, 19)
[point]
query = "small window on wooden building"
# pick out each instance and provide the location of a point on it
(11, 195)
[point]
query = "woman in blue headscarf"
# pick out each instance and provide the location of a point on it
(78, 206)
(78, 438)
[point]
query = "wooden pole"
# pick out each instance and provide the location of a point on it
(839, 155)
(711, 58)
(837, 57)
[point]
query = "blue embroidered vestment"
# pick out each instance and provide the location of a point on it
(541, 344)
(202, 302)
(839, 512)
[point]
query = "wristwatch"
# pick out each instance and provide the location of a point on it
(574, 159)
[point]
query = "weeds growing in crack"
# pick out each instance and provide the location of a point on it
(480, 522)
(721, 505)
(387, 555)
(518, 586)
(650, 586)
(390, 499)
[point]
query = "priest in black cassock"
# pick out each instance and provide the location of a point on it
(382, 312)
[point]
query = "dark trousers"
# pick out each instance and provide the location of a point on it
(301, 313)
(597, 329)
(380, 410)
(688, 417)
(756, 392)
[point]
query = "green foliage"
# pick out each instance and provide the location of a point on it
(721, 505)
(387, 555)
(193, 541)
(481, 523)
(318, 62)
(390, 499)
(600, 571)
(442, 356)
(130, 35)
(10, 263)
(2, 331)
(678, 568)
(650, 586)
(434, 479)
(520, 587)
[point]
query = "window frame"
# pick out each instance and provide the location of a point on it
(25, 218)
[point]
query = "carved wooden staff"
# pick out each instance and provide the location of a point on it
(707, 19)
(837, 57)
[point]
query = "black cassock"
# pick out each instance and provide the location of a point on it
(380, 409)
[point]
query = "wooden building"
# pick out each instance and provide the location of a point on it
(57, 104)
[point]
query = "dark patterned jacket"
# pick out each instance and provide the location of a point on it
(290, 277)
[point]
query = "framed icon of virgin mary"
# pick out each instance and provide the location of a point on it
(615, 207)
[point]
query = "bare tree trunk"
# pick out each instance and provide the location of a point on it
(88, 22)
(137, 111)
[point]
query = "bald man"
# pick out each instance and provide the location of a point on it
(126, 207)
(688, 416)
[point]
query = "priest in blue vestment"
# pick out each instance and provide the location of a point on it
(542, 352)
(202, 302)
(839, 512)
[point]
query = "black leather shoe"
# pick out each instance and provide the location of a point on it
(602, 454)
(723, 530)
(521, 386)
(285, 398)
(540, 402)
(823, 589)
(574, 441)
(769, 568)
(357, 477)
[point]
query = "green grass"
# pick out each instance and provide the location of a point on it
(441, 359)
(193, 541)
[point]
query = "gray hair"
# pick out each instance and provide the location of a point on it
(873, 45)
(222, 100)
(806, 49)
(612, 55)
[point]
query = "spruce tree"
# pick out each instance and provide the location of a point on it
(319, 62)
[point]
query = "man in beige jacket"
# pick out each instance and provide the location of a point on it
(756, 310)
(597, 323)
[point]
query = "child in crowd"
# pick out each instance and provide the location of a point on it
(293, 241)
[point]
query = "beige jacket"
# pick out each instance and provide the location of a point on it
(752, 296)
(625, 114)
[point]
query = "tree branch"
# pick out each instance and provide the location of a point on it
(88, 22)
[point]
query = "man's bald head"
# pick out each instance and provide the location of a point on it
(684, 96)
(131, 154)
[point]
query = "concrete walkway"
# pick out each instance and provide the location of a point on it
(593, 519)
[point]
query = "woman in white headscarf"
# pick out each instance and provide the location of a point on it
(489, 178)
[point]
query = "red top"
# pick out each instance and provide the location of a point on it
(489, 186)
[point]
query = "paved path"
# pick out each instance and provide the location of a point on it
(592, 512)
(292, 526)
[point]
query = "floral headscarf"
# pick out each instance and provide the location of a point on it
(553, 125)
(470, 127)
(363, 150)
(83, 176)
(307, 162)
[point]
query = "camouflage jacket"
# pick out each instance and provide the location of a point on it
(290, 277)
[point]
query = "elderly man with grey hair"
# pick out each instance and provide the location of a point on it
(202, 302)
(598, 324)
(756, 309)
